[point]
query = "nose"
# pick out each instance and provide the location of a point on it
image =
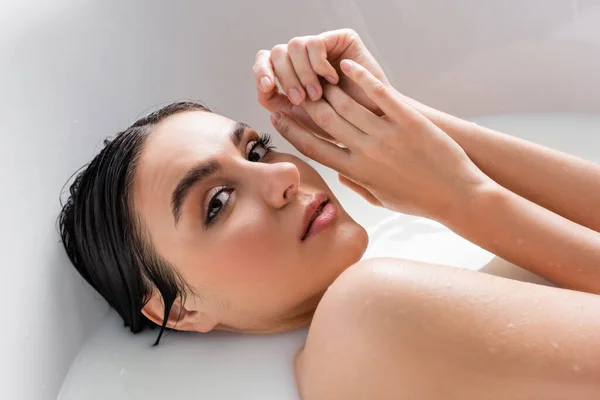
(280, 185)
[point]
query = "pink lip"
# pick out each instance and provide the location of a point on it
(318, 216)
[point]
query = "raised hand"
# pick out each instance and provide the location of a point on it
(401, 160)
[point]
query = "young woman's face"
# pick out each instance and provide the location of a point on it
(232, 217)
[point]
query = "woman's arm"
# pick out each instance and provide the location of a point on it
(562, 183)
(530, 236)
(511, 226)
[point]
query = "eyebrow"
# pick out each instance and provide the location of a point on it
(201, 172)
(237, 133)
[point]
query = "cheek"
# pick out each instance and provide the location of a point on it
(254, 248)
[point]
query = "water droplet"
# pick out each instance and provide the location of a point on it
(511, 325)
(122, 372)
(580, 270)
(555, 345)
(576, 368)
(520, 241)
(385, 294)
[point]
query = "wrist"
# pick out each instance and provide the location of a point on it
(471, 204)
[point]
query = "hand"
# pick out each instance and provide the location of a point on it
(402, 160)
(302, 64)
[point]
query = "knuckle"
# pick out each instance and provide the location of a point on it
(283, 126)
(351, 34)
(296, 43)
(324, 117)
(313, 42)
(350, 31)
(359, 74)
(379, 90)
(262, 54)
(343, 105)
(309, 150)
(279, 50)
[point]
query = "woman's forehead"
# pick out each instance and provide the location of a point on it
(177, 144)
(188, 128)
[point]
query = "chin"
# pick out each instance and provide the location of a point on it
(353, 243)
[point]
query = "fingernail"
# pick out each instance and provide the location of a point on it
(276, 116)
(346, 65)
(313, 92)
(331, 79)
(264, 83)
(294, 96)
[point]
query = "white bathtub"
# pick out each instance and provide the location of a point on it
(74, 72)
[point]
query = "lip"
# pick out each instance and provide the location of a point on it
(319, 214)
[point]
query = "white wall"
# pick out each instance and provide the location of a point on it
(74, 71)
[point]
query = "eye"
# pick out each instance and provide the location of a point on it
(219, 198)
(257, 150)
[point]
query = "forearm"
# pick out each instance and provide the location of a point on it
(562, 183)
(530, 236)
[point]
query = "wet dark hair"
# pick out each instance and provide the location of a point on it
(105, 238)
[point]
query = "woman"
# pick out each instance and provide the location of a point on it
(191, 221)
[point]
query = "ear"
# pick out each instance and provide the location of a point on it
(180, 317)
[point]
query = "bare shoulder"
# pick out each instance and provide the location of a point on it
(391, 327)
(347, 337)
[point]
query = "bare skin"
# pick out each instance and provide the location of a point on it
(391, 329)
(458, 336)
(237, 238)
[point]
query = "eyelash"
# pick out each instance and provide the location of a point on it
(264, 141)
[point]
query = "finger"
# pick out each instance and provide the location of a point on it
(317, 54)
(263, 71)
(386, 98)
(311, 146)
(354, 112)
(327, 119)
(300, 115)
(274, 100)
(284, 71)
(304, 71)
(361, 190)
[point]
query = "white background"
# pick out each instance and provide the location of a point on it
(75, 71)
